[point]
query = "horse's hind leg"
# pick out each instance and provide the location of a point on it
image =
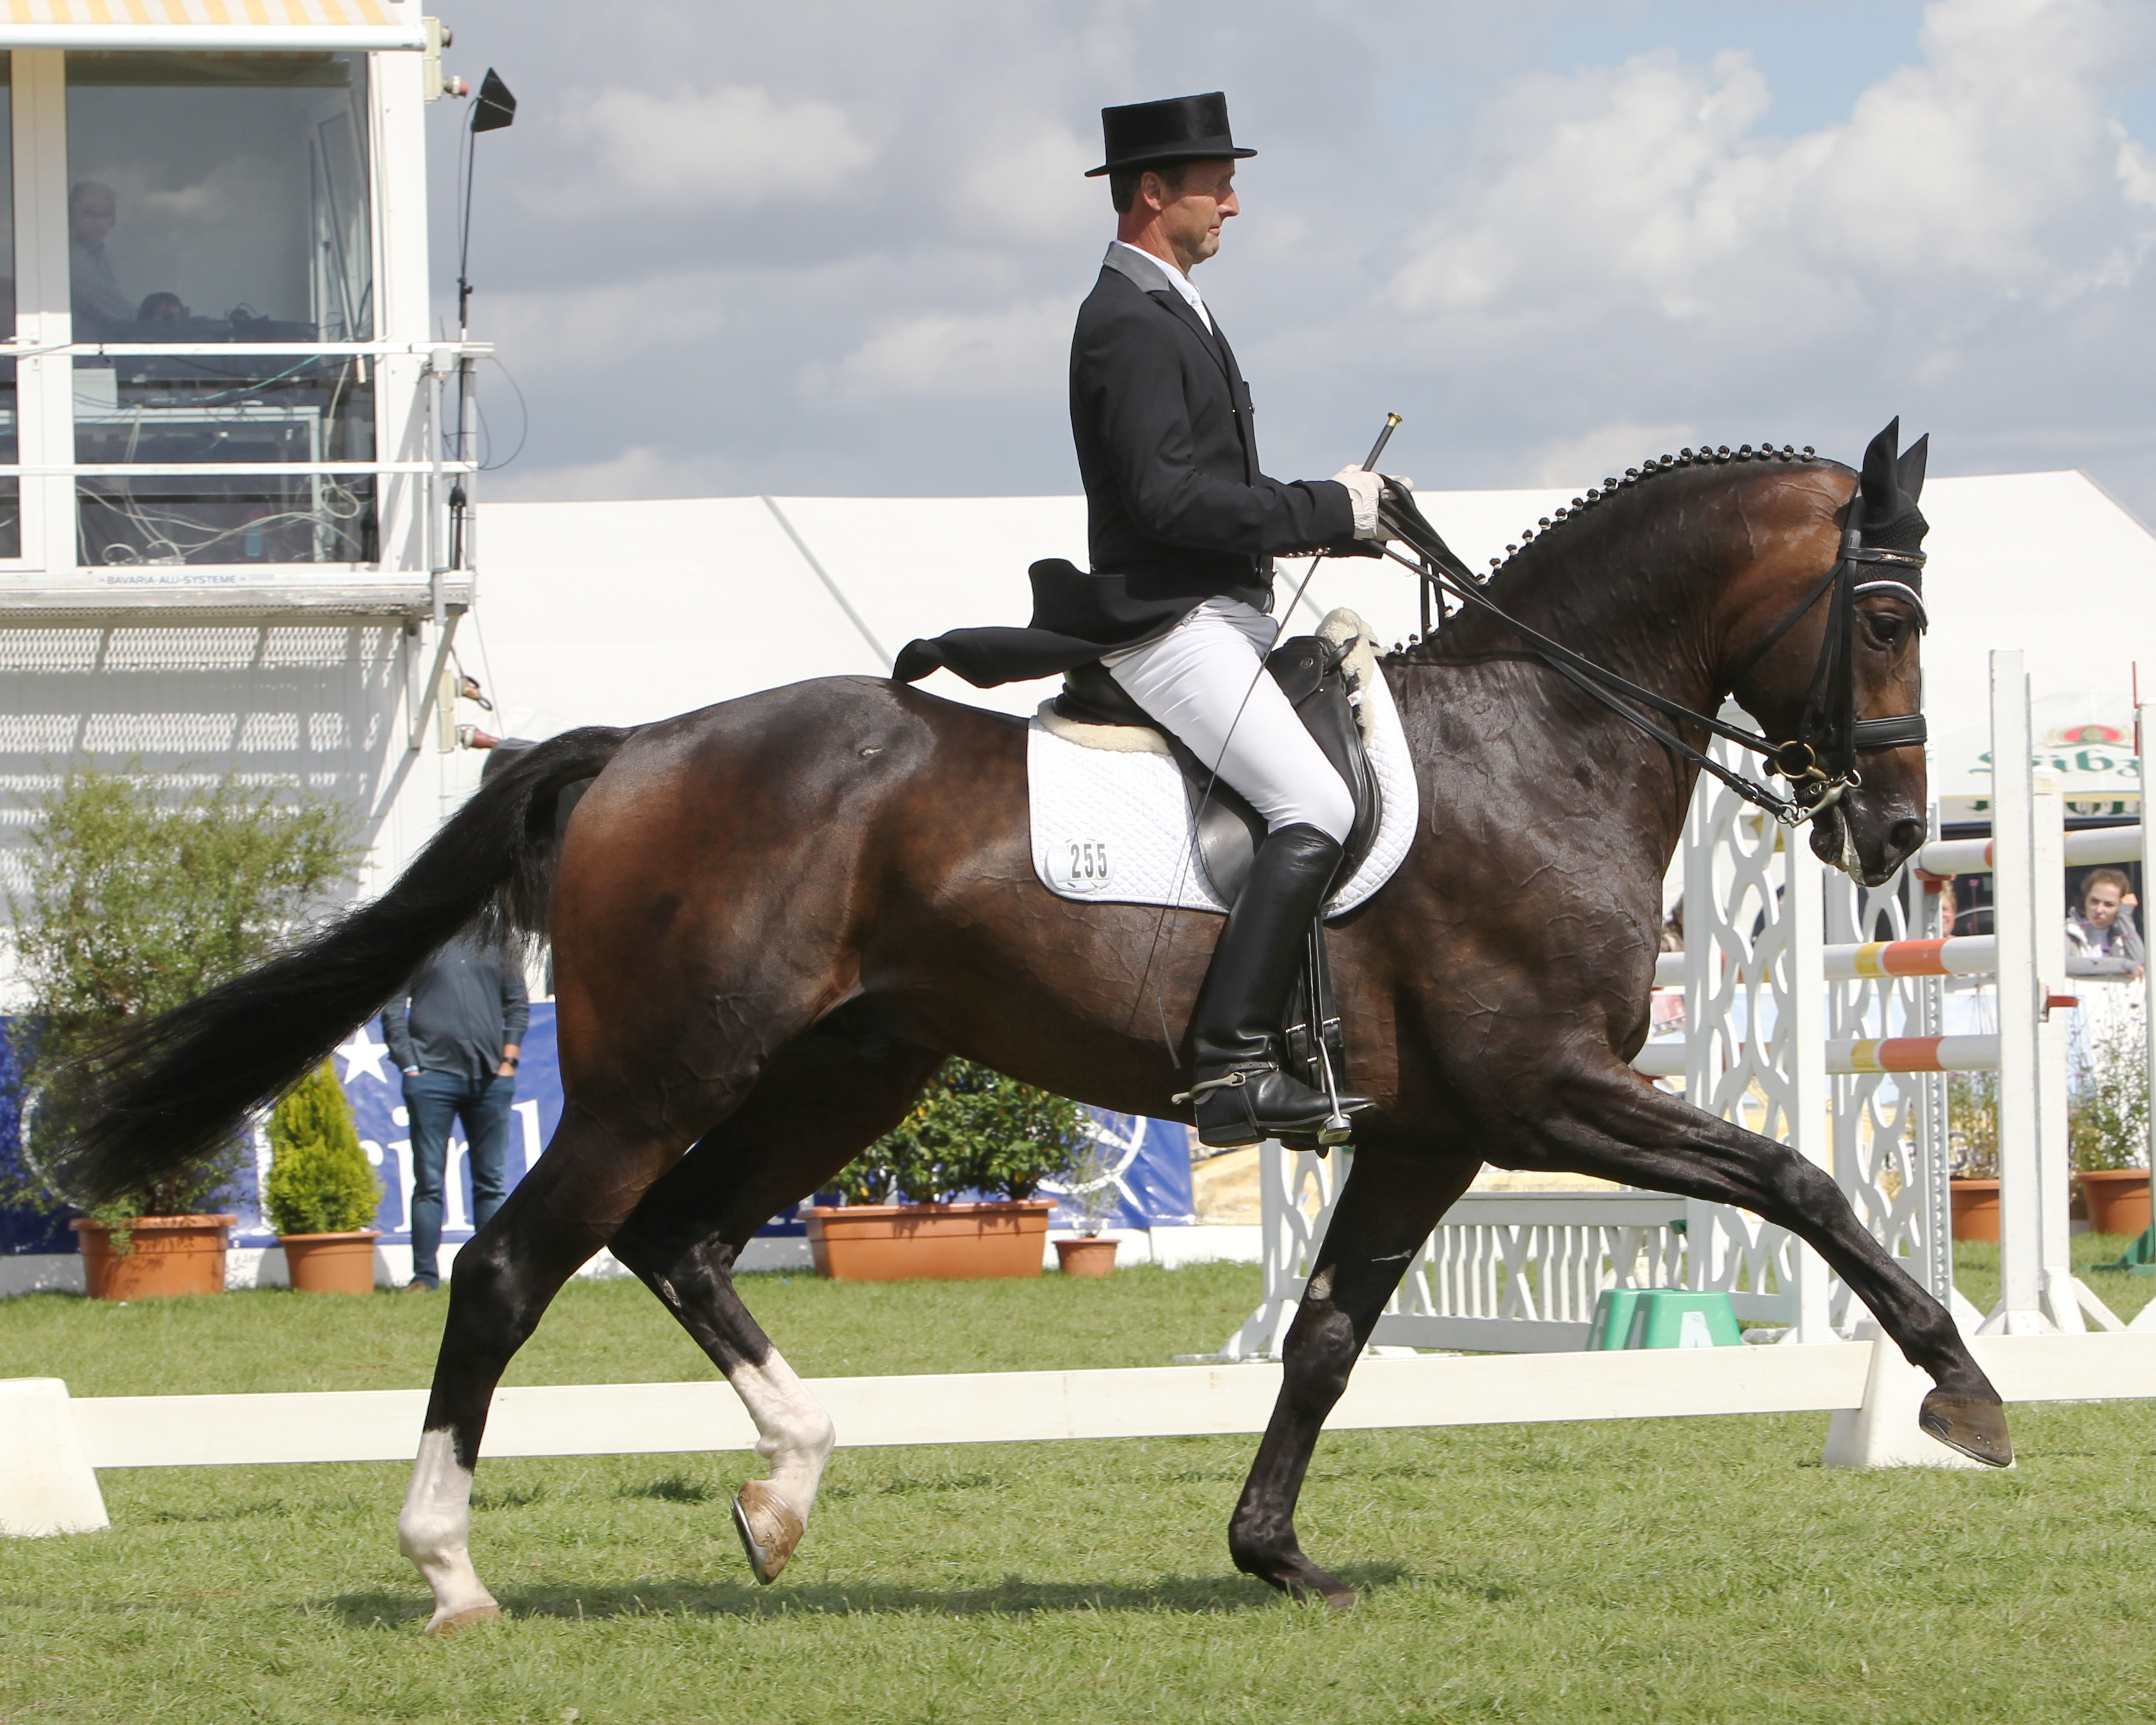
(563, 1212)
(1387, 1209)
(820, 1104)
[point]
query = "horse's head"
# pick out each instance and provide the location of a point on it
(1829, 661)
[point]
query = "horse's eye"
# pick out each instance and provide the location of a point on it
(1887, 631)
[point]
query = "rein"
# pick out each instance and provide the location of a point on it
(1819, 761)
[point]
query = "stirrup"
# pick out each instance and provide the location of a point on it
(1315, 1113)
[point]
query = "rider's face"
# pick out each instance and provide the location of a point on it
(1190, 219)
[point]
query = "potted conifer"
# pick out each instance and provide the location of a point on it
(322, 1193)
(973, 1129)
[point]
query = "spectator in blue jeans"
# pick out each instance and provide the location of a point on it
(455, 1032)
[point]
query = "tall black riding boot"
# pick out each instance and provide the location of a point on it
(1241, 1097)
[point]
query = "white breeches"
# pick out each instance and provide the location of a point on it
(1205, 682)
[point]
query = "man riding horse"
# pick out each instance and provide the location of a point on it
(1182, 528)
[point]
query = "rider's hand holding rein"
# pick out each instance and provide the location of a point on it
(1366, 490)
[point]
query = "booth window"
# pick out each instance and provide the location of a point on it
(221, 198)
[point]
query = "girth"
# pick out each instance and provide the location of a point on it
(1309, 670)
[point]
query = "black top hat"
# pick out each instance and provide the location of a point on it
(1192, 128)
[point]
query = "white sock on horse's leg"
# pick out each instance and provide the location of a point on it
(794, 1437)
(434, 1531)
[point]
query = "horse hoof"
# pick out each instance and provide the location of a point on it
(456, 1620)
(769, 1529)
(1335, 1593)
(1300, 1579)
(1978, 1429)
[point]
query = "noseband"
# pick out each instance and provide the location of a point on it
(1819, 761)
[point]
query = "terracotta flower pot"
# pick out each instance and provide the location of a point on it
(1975, 1208)
(1086, 1257)
(941, 1242)
(330, 1263)
(2117, 1199)
(165, 1256)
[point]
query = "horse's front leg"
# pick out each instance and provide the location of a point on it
(1387, 1209)
(1598, 1119)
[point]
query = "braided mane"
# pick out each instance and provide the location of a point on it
(1610, 488)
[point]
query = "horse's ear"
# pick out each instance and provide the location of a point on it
(1879, 486)
(1909, 470)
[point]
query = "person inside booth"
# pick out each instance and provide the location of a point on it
(98, 301)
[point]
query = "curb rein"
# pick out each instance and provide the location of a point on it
(1819, 761)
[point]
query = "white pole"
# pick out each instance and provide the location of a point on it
(2054, 1165)
(2144, 735)
(1811, 1124)
(2020, 1311)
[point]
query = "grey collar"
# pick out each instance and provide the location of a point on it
(1148, 273)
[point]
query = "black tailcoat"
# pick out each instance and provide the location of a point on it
(1176, 511)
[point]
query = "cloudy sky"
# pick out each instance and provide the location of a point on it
(834, 247)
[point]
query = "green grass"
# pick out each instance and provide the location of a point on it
(615, 1333)
(1976, 1273)
(1652, 1571)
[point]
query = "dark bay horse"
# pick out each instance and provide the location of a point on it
(774, 918)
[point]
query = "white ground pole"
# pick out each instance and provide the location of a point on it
(1811, 1093)
(46, 1485)
(1018, 1407)
(2021, 990)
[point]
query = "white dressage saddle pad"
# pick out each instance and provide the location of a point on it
(1116, 826)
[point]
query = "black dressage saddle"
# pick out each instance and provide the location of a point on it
(1310, 671)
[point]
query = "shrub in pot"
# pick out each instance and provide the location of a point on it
(973, 1129)
(1972, 1142)
(134, 899)
(1089, 1188)
(322, 1193)
(2108, 1125)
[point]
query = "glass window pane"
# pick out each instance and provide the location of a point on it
(167, 520)
(218, 197)
(172, 408)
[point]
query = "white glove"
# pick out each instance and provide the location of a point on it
(1364, 490)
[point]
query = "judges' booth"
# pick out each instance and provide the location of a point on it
(235, 529)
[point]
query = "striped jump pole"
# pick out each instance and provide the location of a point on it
(1942, 857)
(1881, 1054)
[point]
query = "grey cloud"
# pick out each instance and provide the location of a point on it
(835, 249)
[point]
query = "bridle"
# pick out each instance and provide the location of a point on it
(1819, 761)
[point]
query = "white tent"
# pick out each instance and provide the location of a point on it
(618, 613)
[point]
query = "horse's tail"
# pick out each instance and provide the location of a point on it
(176, 1088)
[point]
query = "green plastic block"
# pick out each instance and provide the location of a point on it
(2138, 1259)
(1677, 1317)
(1613, 1317)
